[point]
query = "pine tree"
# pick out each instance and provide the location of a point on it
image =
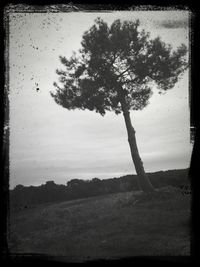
(115, 70)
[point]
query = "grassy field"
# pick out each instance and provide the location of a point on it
(105, 227)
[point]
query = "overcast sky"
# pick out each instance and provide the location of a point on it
(48, 142)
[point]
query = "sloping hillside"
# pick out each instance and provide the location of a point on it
(22, 196)
(105, 227)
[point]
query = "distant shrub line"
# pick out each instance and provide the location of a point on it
(25, 196)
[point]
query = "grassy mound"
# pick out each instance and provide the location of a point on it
(105, 227)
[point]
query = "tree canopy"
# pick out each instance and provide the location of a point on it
(120, 61)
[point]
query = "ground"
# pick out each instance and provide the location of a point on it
(105, 227)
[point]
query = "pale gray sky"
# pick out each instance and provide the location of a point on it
(48, 142)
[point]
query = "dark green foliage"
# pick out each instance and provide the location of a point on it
(115, 62)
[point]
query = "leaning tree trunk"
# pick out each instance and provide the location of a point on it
(143, 180)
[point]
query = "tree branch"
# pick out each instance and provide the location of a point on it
(121, 74)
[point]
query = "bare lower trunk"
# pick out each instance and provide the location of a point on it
(143, 180)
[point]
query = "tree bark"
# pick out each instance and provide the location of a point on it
(143, 180)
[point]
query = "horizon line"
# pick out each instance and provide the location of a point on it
(90, 179)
